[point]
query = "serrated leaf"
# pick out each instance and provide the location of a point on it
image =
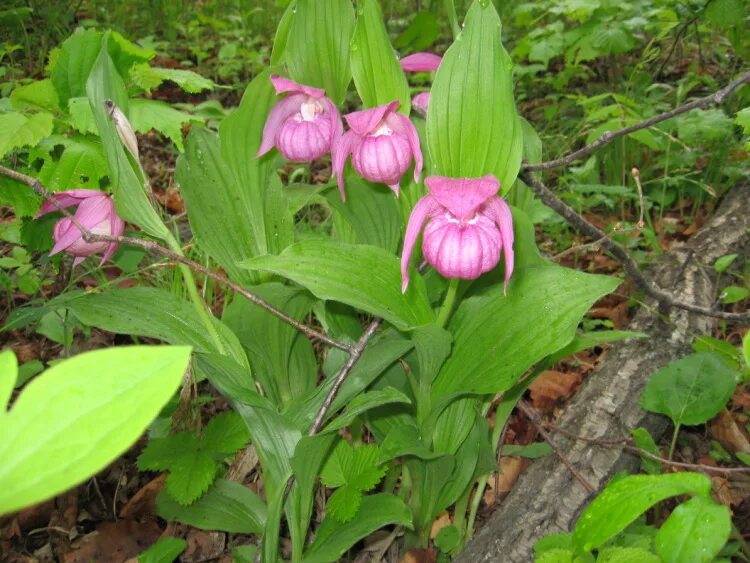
(353, 467)
(165, 453)
(343, 504)
(18, 130)
(376, 71)
(82, 164)
(226, 506)
(690, 390)
(37, 96)
(190, 476)
(472, 126)
(365, 277)
(148, 78)
(20, 197)
(81, 116)
(153, 114)
(317, 49)
(80, 415)
(695, 531)
(225, 433)
(621, 502)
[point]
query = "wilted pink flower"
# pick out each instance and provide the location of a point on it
(421, 62)
(469, 226)
(382, 143)
(304, 125)
(96, 212)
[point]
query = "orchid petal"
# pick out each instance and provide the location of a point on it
(408, 129)
(340, 152)
(282, 111)
(66, 199)
(93, 211)
(420, 102)
(337, 127)
(65, 234)
(79, 259)
(396, 188)
(284, 85)
(462, 196)
(499, 211)
(366, 121)
(425, 208)
(421, 62)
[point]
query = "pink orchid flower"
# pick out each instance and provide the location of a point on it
(470, 225)
(382, 143)
(96, 212)
(304, 125)
(421, 62)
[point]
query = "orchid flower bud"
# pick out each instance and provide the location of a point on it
(421, 62)
(304, 125)
(469, 227)
(382, 143)
(96, 213)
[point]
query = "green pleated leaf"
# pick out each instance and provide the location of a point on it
(377, 73)
(81, 414)
(105, 83)
(317, 49)
(8, 377)
(364, 402)
(365, 277)
(626, 499)
(150, 312)
(497, 337)
(472, 126)
(371, 212)
(282, 34)
(333, 538)
(227, 506)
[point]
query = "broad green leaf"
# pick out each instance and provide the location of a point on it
(695, 531)
(746, 349)
(104, 83)
(317, 49)
(497, 337)
(80, 115)
(150, 312)
(627, 555)
(420, 34)
(82, 164)
(78, 416)
(202, 166)
(586, 340)
(370, 210)
(364, 402)
(377, 73)
(645, 441)
(333, 538)
(472, 125)
(153, 114)
(227, 506)
(725, 14)
(531, 451)
(282, 34)
(37, 96)
(148, 78)
(365, 277)
(690, 390)
(18, 130)
(404, 440)
(621, 502)
(73, 64)
(282, 358)
(166, 550)
(259, 199)
(244, 553)
(433, 345)
(447, 538)
(734, 294)
(724, 262)
(8, 377)
(22, 199)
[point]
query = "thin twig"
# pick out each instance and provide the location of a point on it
(151, 246)
(631, 268)
(626, 445)
(535, 420)
(710, 100)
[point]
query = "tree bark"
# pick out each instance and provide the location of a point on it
(547, 499)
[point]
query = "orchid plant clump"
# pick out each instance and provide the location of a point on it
(397, 427)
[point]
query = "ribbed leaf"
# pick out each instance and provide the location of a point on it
(472, 125)
(317, 50)
(365, 277)
(377, 74)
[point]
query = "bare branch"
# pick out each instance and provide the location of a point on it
(151, 246)
(713, 99)
(629, 265)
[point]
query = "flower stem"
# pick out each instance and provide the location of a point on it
(200, 307)
(450, 299)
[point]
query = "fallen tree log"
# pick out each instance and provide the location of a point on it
(547, 498)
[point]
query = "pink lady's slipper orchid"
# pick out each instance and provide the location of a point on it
(421, 62)
(382, 143)
(304, 125)
(96, 212)
(469, 226)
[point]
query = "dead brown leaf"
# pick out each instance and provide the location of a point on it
(143, 503)
(725, 429)
(553, 386)
(114, 542)
(203, 546)
(443, 520)
(420, 556)
(497, 485)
